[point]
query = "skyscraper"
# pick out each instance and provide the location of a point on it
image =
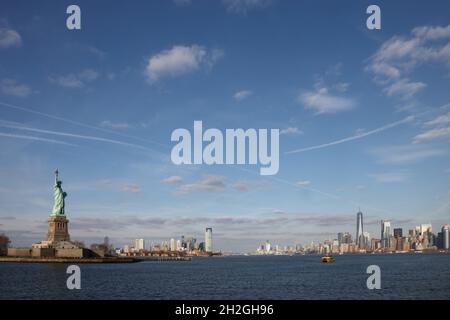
(425, 228)
(385, 233)
(267, 246)
(208, 240)
(359, 230)
(446, 237)
(367, 239)
(139, 244)
(183, 242)
(341, 237)
(398, 232)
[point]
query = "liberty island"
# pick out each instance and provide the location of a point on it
(58, 247)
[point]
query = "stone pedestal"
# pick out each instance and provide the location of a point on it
(58, 229)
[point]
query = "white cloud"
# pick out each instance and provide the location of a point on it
(342, 86)
(323, 102)
(132, 188)
(432, 134)
(404, 154)
(440, 120)
(114, 125)
(384, 69)
(388, 177)
(172, 180)
(12, 88)
(208, 184)
(118, 186)
(245, 185)
(180, 60)
(304, 183)
(241, 95)
(96, 51)
(88, 75)
(404, 88)
(9, 38)
(432, 33)
(400, 55)
(68, 81)
(291, 130)
(243, 6)
(75, 80)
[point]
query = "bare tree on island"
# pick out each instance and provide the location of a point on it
(4, 243)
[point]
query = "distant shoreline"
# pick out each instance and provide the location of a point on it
(337, 254)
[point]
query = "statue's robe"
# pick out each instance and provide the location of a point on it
(58, 207)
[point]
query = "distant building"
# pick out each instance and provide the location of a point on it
(359, 231)
(172, 244)
(139, 244)
(446, 237)
(106, 241)
(375, 244)
(208, 240)
(183, 243)
(417, 231)
(343, 247)
(398, 232)
(425, 228)
(340, 237)
(178, 246)
(406, 244)
(392, 243)
(344, 237)
(164, 246)
(386, 234)
(366, 236)
(267, 247)
(191, 244)
(440, 241)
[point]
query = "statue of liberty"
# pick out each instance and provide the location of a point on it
(59, 195)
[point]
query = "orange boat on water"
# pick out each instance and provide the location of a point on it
(327, 259)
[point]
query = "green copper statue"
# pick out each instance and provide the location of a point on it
(59, 194)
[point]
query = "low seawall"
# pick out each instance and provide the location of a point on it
(68, 260)
(163, 258)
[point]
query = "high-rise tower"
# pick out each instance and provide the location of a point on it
(386, 233)
(446, 236)
(208, 240)
(360, 243)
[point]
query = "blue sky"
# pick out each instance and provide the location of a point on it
(100, 104)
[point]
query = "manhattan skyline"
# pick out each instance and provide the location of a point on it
(363, 116)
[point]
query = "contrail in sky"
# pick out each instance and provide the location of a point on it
(354, 137)
(19, 136)
(50, 116)
(71, 135)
